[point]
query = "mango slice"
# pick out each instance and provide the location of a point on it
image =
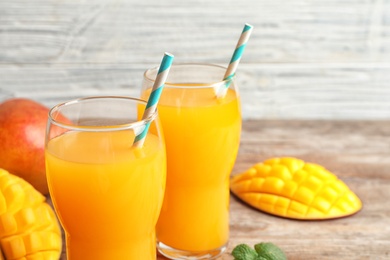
(291, 188)
(29, 229)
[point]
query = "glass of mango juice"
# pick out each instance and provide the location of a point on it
(107, 193)
(202, 135)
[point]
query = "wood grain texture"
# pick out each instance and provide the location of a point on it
(288, 91)
(357, 152)
(129, 31)
(322, 59)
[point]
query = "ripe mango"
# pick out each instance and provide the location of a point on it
(29, 229)
(292, 188)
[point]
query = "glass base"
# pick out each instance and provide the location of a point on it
(173, 253)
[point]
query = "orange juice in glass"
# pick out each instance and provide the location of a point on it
(107, 194)
(202, 135)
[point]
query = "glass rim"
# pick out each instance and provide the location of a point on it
(181, 84)
(103, 128)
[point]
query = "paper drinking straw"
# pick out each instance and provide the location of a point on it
(235, 60)
(154, 97)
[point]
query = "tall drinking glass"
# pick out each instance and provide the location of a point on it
(107, 194)
(202, 135)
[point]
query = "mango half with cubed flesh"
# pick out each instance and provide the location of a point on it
(292, 188)
(29, 229)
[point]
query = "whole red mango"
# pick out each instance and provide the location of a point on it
(22, 140)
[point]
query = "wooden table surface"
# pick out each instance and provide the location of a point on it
(358, 152)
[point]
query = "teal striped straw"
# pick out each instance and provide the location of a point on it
(235, 60)
(154, 97)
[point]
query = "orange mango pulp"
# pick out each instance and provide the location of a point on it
(202, 137)
(107, 195)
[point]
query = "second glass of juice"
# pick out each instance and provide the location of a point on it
(202, 135)
(107, 194)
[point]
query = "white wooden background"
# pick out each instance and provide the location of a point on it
(306, 59)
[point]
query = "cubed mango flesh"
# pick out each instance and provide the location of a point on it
(291, 188)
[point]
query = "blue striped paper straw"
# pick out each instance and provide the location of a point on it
(235, 60)
(154, 97)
